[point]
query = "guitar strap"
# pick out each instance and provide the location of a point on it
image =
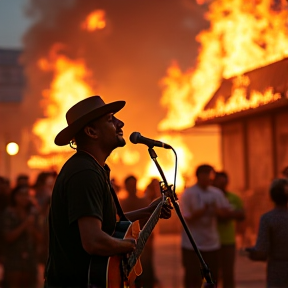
(117, 204)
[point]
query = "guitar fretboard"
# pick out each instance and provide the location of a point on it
(143, 237)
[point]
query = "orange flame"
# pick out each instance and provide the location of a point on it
(67, 87)
(184, 156)
(238, 102)
(243, 35)
(94, 21)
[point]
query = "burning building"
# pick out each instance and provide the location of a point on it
(252, 111)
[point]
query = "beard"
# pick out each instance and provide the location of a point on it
(121, 142)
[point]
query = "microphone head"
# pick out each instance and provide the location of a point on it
(134, 137)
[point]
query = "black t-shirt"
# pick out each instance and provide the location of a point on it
(81, 189)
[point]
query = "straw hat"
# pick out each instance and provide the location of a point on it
(82, 113)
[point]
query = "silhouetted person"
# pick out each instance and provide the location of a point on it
(227, 231)
(84, 207)
(272, 238)
(133, 202)
(21, 236)
(285, 172)
(151, 192)
(22, 179)
(201, 205)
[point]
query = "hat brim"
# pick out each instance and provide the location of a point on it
(67, 134)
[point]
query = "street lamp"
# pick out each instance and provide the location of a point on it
(12, 148)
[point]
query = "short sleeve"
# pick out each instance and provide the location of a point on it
(190, 202)
(85, 194)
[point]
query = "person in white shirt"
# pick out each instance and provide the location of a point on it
(201, 205)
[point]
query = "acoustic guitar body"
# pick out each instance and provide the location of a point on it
(108, 272)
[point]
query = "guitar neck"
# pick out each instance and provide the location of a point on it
(144, 235)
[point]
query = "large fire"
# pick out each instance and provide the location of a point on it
(243, 35)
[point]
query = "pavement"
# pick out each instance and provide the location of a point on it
(167, 260)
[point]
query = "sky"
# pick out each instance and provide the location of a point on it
(13, 23)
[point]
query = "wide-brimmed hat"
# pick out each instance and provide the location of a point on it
(82, 113)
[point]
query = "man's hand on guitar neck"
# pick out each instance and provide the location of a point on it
(166, 208)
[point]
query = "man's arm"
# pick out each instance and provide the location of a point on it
(97, 242)
(145, 213)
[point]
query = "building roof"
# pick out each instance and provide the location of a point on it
(274, 76)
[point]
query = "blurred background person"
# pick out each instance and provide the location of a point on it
(201, 205)
(271, 244)
(5, 190)
(227, 231)
(43, 187)
(115, 185)
(285, 172)
(22, 179)
(151, 192)
(134, 202)
(20, 233)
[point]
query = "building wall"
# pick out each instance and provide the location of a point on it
(255, 151)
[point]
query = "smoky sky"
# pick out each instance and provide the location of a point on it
(128, 58)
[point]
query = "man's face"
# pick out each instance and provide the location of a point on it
(131, 186)
(205, 179)
(109, 131)
(220, 182)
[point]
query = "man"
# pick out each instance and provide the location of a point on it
(132, 201)
(201, 204)
(82, 216)
(226, 229)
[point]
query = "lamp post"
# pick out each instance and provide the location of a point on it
(12, 148)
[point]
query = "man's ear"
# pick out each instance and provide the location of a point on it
(91, 132)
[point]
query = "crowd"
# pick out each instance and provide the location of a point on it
(24, 230)
(210, 210)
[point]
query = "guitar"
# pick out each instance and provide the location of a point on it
(120, 271)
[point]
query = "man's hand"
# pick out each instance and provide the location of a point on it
(166, 208)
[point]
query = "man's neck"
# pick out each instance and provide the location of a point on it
(203, 187)
(99, 157)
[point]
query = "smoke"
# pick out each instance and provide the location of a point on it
(127, 58)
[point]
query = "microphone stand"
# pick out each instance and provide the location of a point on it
(205, 271)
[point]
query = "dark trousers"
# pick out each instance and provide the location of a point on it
(227, 265)
(191, 264)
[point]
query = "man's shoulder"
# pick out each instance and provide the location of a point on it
(215, 190)
(192, 189)
(80, 162)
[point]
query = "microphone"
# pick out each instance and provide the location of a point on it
(136, 138)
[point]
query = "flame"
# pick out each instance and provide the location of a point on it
(243, 35)
(67, 87)
(94, 21)
(184, 156)
(238, 102)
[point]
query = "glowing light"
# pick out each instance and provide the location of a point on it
(12, 148)
(94, 21)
